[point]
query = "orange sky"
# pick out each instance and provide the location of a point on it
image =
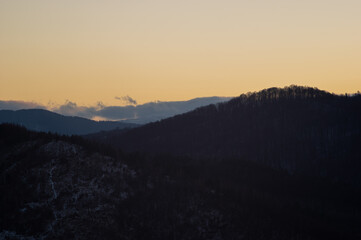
(89, 50)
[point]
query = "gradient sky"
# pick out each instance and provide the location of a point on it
(90, 50)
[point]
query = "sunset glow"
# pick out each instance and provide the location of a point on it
(90, 51)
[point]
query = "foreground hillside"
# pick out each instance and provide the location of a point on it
(57, 187)
(52, 187)
(46, 121)
(299, 129)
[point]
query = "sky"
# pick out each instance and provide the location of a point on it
(89, 51)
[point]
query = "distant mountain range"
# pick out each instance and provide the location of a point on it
(154, 111)
(299, 129)
(139, 114)
(46, 121)
(71, 119)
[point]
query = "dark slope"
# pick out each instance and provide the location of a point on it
(58, 187)
(299, 129)
(43, 120)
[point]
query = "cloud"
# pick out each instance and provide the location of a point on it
(127, 100)
(17, 105)
(70, 108)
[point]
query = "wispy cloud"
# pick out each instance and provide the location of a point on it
(127, 100)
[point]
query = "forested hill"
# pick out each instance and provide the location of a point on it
(300, 129)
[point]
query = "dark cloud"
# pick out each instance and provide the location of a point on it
(72, 109)
(17, 105)
(127, 100)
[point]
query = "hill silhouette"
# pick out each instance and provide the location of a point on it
(299, 129)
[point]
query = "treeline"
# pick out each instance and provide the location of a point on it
(13, 134)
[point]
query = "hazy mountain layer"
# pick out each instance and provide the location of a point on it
(139, 114)
(43, 120)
